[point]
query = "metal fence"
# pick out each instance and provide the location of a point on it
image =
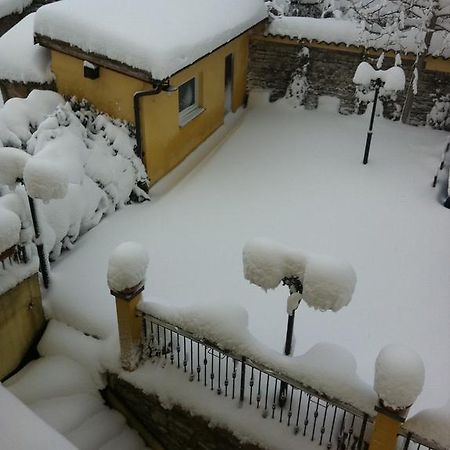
(276, 397)
(410, 441)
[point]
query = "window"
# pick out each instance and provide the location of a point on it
(188, 107)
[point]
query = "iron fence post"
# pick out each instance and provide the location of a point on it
(242, 386)
(372, 117)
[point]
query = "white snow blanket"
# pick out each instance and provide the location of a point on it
(161, 37)
(21, 429)
(20, 59)
(337, 31)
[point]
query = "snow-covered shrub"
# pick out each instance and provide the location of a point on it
(127, 266)
(298, 85)
(9, 229)
(399, 376)
(79, 162)
(439, 116)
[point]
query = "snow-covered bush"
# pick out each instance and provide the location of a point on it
(127, 266)
(9, 229)
(80, 163)
(399, 376)
(439, 116)
(328, 283)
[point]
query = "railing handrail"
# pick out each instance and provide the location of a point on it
(417, 439)
(260, 366)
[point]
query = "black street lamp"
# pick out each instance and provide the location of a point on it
(295, 286)
(378, 82)
(39, 244)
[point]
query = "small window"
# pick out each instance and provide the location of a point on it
(188, 107)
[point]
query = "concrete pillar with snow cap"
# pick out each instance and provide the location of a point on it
(126, 277)
(399, 378)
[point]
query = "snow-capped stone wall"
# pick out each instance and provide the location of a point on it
(330, 72)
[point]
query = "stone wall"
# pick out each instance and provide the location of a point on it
(170, 429)
(329, 70)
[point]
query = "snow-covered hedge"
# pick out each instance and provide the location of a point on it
(77, 163)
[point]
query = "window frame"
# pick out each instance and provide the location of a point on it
(191, 112)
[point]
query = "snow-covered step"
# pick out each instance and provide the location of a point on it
(63, 394)
(97, 430)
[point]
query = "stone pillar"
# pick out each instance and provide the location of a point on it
(386, 428)
(130, 326)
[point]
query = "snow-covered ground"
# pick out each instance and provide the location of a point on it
(295, 177)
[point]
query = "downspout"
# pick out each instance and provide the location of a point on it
(137, 114)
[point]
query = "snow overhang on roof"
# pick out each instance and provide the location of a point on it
(153, 36)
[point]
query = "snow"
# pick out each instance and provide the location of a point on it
(33, 65)
(399, 376)
(316, 196)
(20, 429)
(328, 283)
(8, 7)
(393, 78)
(127, 266)
(62, 393)
(159, 37)
(432, 424)
(9, 229)
(12, 163)
(337, 31)
(46, 179)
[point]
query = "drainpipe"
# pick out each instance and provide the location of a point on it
(137, 114)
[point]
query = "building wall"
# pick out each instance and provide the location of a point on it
(329, 70)
(164, 143)
(111, 93)
(21, 321)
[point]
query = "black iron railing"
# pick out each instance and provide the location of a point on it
(410, 441)
(328, 422)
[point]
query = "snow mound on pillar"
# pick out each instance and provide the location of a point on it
(328, 283)
(399, 376)
(127, 266)
(9, 229)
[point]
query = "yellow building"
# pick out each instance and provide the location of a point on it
(174, 69)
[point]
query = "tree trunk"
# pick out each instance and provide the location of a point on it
(419, 65)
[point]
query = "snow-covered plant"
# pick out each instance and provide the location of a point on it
(439, 116)
(298, 85)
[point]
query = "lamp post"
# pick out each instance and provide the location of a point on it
(295, 287)
(378, 82)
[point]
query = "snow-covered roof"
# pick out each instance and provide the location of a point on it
(160, 37)
(33, 65)
(341, 31)
(8, 7)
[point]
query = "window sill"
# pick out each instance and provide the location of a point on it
(184, 119)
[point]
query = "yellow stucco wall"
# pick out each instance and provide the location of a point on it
(164, 143)
(21, 320)
(112, 92)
